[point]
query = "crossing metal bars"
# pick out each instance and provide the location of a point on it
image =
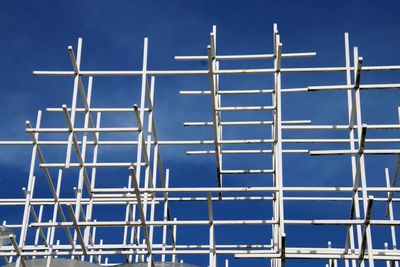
(64, 225)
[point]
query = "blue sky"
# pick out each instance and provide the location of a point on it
(35, 36)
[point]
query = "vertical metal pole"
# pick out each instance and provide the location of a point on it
(391, 216)
(74, 100)
(350, 107)
(174, 257)
(141, 133)
(278, 139)
(165, 217)
(82, 170)
(153, 183)
(94, 242)
(212, 242)
(275, 206)
(39, 219)
(30, 188)
(54, 219)
(101, 243)
(215, 100)
(89, 208)
(362, 163)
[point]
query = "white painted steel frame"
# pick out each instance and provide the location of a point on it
(148, 183)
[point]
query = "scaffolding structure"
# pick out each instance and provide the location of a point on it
(64, 226)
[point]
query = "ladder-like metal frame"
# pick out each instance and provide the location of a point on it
(148, 180)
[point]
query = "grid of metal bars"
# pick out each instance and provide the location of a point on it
(147, 185)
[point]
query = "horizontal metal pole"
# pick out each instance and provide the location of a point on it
(91, 165)
(228, 92)
(97, 109)
(284, 127)
(352, 152)
(337, 140)
(327, 222)
(206, 142)
(314, 253)
(240, 123)
(206, 72)
(310, 189)
(152, 223)
(249, 108)
(82, 130)
(228, 123)
(247, 171)
(207, 152)
(340, 127)
(239, 92)
(123, 199)
(72, 201)
(350, 87)
(291, 253)
(248, 247)
(248, 57)
(249, 151)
